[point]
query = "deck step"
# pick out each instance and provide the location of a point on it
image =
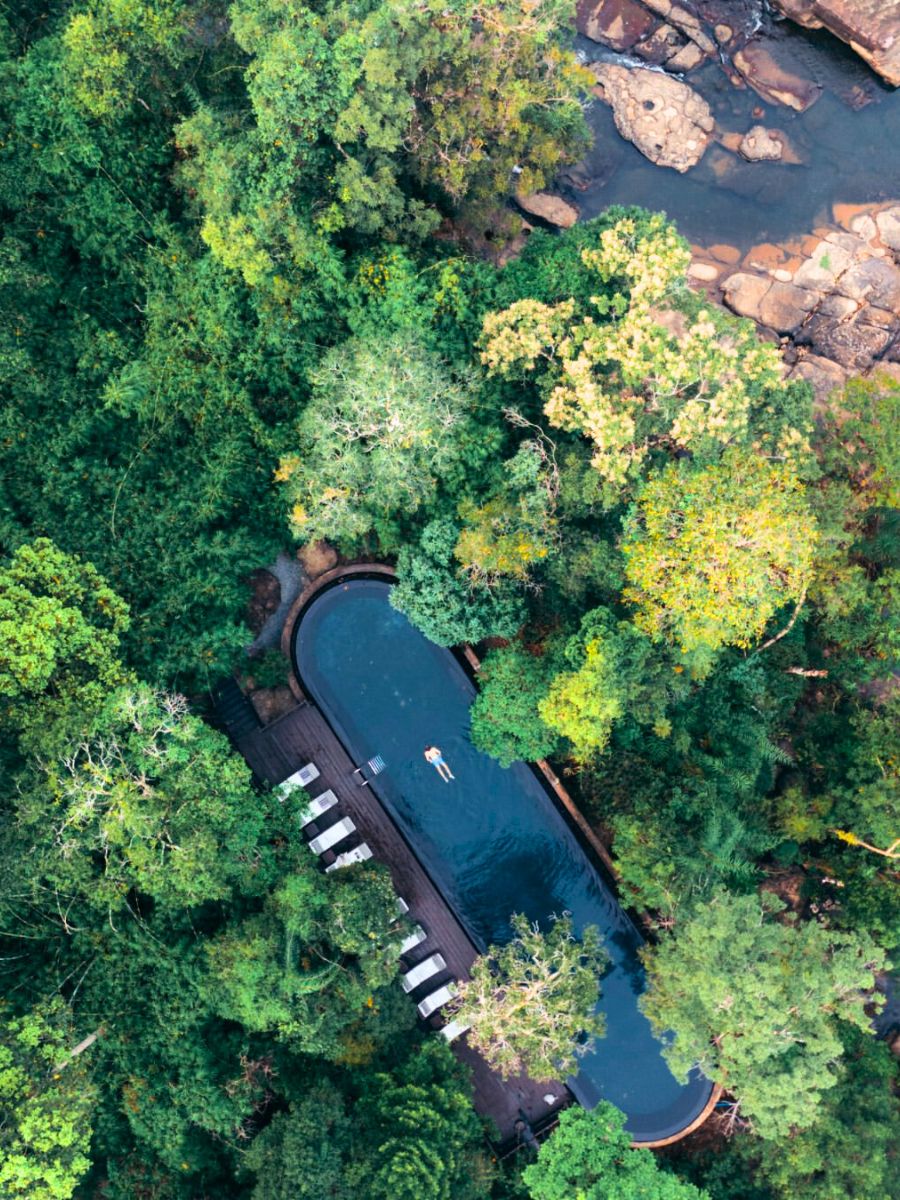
(235, 713)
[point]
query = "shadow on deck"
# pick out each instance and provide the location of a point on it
(302, 735)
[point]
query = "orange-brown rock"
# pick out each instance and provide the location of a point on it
(725, 254)
(615, 23)
(870, 27)
(844, 213)
(765, 256)
(744, 293)
(773, 81)
(785, 306)
(316, 558)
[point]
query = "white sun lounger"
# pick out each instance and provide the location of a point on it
(357, 855)
(402, 906)
(454, 1029)
(417, 936)
(336, 833)
(316, 807)
(299, 779)
(430, 966)
(433, 1002)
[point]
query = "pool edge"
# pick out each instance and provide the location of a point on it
(386, 572)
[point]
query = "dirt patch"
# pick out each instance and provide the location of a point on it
(265, 596)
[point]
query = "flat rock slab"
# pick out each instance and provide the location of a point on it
(744, 293)
(875, 281)
(785, 307)
(774, 81)
(871, 27)
(888, 224)
(615, 23)
(853, 344)
(667, 120)
(550, 208)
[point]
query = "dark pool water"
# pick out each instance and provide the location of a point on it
(851, 154)
(492, 840)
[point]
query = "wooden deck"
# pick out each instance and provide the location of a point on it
(303, 735)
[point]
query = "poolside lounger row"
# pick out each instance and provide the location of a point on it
(331, 836)
(357, 855)
(433, 1002)
(417, 936)
(454, 1029)
(316, 807)
(428, 967)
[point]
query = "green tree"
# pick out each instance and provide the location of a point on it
(852, 1149)
(758, 1004)
(374, 120)
(590, 1156)
(148, 798)
(46, 1104)
(312, 961)
(409, 1133)
(856, 589)
(60, 627)
(435, 595)
(510, 533)
(303, 1154)
(382, 429)
(714, 552)
(505, 719)
(423, 1137)
(111, 47)
(615, 673)
(532, 1004)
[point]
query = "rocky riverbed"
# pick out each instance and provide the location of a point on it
(831, 297)
(769, 133)
(743, 125)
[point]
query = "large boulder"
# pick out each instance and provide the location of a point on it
(615, 23)
(888, 224)
(667, 120)
(744, 293)
(316, 558)
(774, 80)
(870, 27)
(552, 209)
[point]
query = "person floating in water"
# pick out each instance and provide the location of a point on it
(434, 756)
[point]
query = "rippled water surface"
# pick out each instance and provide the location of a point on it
(492, 840)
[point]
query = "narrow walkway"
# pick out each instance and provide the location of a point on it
(303, 735)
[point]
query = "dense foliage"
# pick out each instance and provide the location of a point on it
(245, 304)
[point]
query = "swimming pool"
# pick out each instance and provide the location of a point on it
(492, 840)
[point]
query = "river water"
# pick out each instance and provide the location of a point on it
(849, 140)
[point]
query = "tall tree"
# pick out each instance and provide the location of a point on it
(385, 425)
(714, 552)
(758, 1004)
(46, 1105)
(531, 1005)
(435, 594)
(590, 1156)
(148, 798)
(663, 373)
(60, 627)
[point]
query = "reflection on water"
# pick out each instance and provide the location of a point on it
(492, 840)
(851, 155)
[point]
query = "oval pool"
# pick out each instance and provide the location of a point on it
(492, 840)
